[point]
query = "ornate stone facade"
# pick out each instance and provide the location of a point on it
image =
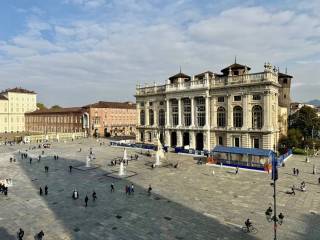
(235, 108)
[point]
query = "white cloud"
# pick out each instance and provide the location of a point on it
(87, 3)
(105, 59)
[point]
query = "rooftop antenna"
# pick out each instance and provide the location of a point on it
(235, 59)
(180, 68)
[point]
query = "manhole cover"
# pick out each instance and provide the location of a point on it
(167, 218)
(118, 216)
(76, 229)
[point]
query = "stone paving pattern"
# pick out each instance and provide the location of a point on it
(186, 203)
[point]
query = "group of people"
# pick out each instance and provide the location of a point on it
(13, 159)
(115, 162)
(129, 189)
(94, 197)
(45, 190)
(295, 171)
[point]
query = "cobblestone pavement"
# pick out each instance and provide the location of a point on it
(187, 202)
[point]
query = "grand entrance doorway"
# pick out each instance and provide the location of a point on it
(173, 139)
(186, 139)
(199, 141)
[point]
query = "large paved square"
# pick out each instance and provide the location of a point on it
(187, 202)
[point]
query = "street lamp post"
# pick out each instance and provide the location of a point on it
(275, 219)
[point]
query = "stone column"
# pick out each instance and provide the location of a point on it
(138, 114)
(146, 110)
(192, 140)
(179, 138)
(168, 113)
(155, 114)
(267, 111)
(192, 112)
(214, 116)
(229, 112)
(207, 125)
(245, 113)
(167, 138)
(180, 112)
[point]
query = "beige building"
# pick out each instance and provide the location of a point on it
(234, 108)
(14, 103)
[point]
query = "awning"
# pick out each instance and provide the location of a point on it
(244, 151)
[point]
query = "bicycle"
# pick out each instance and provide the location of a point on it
(251, 229)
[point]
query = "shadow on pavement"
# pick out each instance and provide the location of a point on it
(116, 215)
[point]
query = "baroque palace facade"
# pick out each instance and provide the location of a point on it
(236, 108)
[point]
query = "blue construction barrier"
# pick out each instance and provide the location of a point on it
(282, 157)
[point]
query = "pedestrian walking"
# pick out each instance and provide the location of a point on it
(30, 160)
(297, 172)
(132, 188)
(70, 168)
(20, 234)
(127, 190)
(112, 187)
(46, 169)
(40, 191)
(40, 235)
(86, 199)
(46, 190)
(294, 171)
(314, 171)
(94, 195)
(237, 170)
(149, 189)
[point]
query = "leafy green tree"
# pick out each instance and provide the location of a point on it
(55, 107)
(306, 120)
(41, 106)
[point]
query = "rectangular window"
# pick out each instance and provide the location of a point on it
(201, 111)
(237, 98)
(220, 140)
(237, 142)
(187, 111)
(256, 143)
(256, 97)
(150, 103)
(220, 99)
(175, 112)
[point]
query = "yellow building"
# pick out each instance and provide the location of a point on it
(14, 103)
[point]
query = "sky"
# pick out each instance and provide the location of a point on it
(76, 52)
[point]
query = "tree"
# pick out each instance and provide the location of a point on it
(41, 106)
(306, 120)
(55, 107)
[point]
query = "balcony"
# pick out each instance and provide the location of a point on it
(242, 79)
(195, 84)
(150, 90)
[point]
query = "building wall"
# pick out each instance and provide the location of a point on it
(115, 121)
(249, 92)
(54, 122)
(12, 111)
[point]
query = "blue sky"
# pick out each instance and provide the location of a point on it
(74, 52)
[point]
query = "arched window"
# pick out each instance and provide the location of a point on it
(151, 117)
(237, 117)
(162, 118)
(221, 117)
(256, 117)
(142, 117)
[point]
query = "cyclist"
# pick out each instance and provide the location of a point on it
(248, 224)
